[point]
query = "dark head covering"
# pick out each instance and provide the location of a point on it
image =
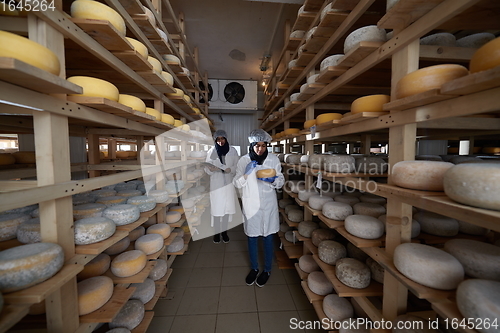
(221, 150)
(258, 135)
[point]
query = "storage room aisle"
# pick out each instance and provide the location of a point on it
(207, 293)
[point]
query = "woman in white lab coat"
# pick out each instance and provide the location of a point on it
(222, 159)
(260, 204)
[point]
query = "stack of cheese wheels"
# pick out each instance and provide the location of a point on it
(27, 265)
(296, 215)
(28, 51)
(93, 87)
(339, 163)
(122, 214)
(112, 201)
(178, 123)
(139, 47)
(103, 193)
(428, 78)
(133, 102)
(353, 273)
(93, 293)
(118, 247)
(371, 165)
(371, 103)
(305, 228)
(317, 201)
(330, 251)
(327, 118)
(143, 202)
(487, 310)
(370, 33)
(337, 211)
(420, 175)
(265, 173)
(98, 11)
(486, 57)
(128, 263)
(168, 77)
(330, 61)
(315, 161)
(369, 209)
(92, 230)
(129, 193)
(156, 65)
(97, 266)
(9, 224)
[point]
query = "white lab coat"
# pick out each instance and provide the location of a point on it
(222, 191)
(260, 204)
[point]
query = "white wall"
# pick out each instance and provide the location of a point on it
(237, 127)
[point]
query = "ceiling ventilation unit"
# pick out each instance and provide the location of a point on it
(234, 95)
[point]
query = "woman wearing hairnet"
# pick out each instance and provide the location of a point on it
(223, 159)
(260, 204)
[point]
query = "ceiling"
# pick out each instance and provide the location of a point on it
(232, 36)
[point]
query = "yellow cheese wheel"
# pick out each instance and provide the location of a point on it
(28, 51)
(168, 77)
(156, 64)
(196, 110)
(93, 293)
(176, 209)
(153, 112)
(139, 47)
(486, 57)
(97, 266)
(171, 58)
(491, 150)
(428, 78)
(131, 101)
(185, 127)
(24, 157)
(371, 103)
(167, 118)
(128, 263)
(88, 210)
(162, 229)
(309, 123)
(98, 11)
(150, 243)
(290, 131)
(173, 216)
(122, 154)
(187, 99)
(327, 117)
(265, 173)
(93, 87)
(178, 123)
(178, 93)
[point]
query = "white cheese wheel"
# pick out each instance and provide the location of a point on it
(139, 47)
(367, 208)
(337, 308)
(160, 196)
(321, 234)
(330, 251)
(306, 228)
(290, 236)
(315, 161)
(129, 193)
(149, 243)
(168, 77)
(21, 210)
(128, 263)
(173, 217)
(29, 232)
(345, 198)
(112, 201)
(27, 265)
(330, 61)
(293, 158)
(436, 224)
(304, 195)
(130, 316)
(176, 245)
(337, 211)
(475, 40)
(88, 210)
(480, 260)
(9, 224)
(297, 34)
(312, 79)
(136, 233)
(428, 266)
(118, 247)
(475, 185)
(420, 175)
(338, 163)
(144, 291)
(370, 33)
(308, 264)
(304, 159)
(440, 38)
(377, 271)
(371, 103)
(159, 270)
(98, 11)
(93, 87)
(133, 102)
(103, 193)
(363, 226)
(486, 57)
(171, 58)
(296, 185)
(142, 202)
(122, 214)
(84, 198)
(471, 229)
(371, 165)
(93, 293)
(97, 266)
(372, 198)
(317, 201)
(282, 203)
(353, 273)
(296, 215)
(319, 283)
(480, 299)
(162, 229)
(93, 229)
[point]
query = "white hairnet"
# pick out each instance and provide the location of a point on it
(259, 135)
(220, 133)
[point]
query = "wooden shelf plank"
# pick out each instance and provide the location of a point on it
(333, 224)
(290, 223)
(473, 83)
(446, 53)
(159, 288)
(312, 297)
(108, 311)
(427, 97)
(310, 246)
(358, 53)
(133, 60)
(157, 254)
(178, 224)
(305, 58)
(131, 226)
(315, 43)
(39, 292)
(143, 326)
(104, 33)
(11, 315)
(155, 79)
(333, 19)
(22, 74)
(403, 13)
(314, 212)
(293, 251)
(355, 117)
(330, 73)
(137, 278)
(312, 5)
(97, 248)
(449, 309)
(360, 242)
(312, 88)
(146, 26)
(303, 21)
(299, 237)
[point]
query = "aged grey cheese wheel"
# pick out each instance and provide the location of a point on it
(471, 229)
(319, 283)
(172, 217)
(118, 247)
(441, 39)
(293, 158)
(316, 161)
(159, 270)
(337, 308)
(330, 251)
(297, 34)
(420, 175)
(415, 226)
(363, 226)
(296, 215)
(125, 186)
(304, 195)
(29, 232)
(328, 193)
(144, 291)
(179, 231)
(112, 201)
(353, 273)
(83, 198)
(372, 198)
(478, 298)
(306, 228)
(21, 210)
(320, 235)
(436, 224)
(367, 208)
(332, 60)
(350, 200)
(160, 196)
(475, 185)
(130, 316)
(308, 264)
(337, 210)
(143, 202)
(339, 163)
(480, 260)
(355, 252)
(162, 229)
(371, 165)
(284, 202)
(149, 243)
(377, 271)
(176, 245)
(290, 236)
(88, 210)
(9, 224)
(317, 201)
(103, 193)
(136, 233)
(350, 192)
(122, 214)
(369, 33)
(475, 40)
(296, 185)
(285, 227)
(93, 229)
(428, 266)
(411, 324)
